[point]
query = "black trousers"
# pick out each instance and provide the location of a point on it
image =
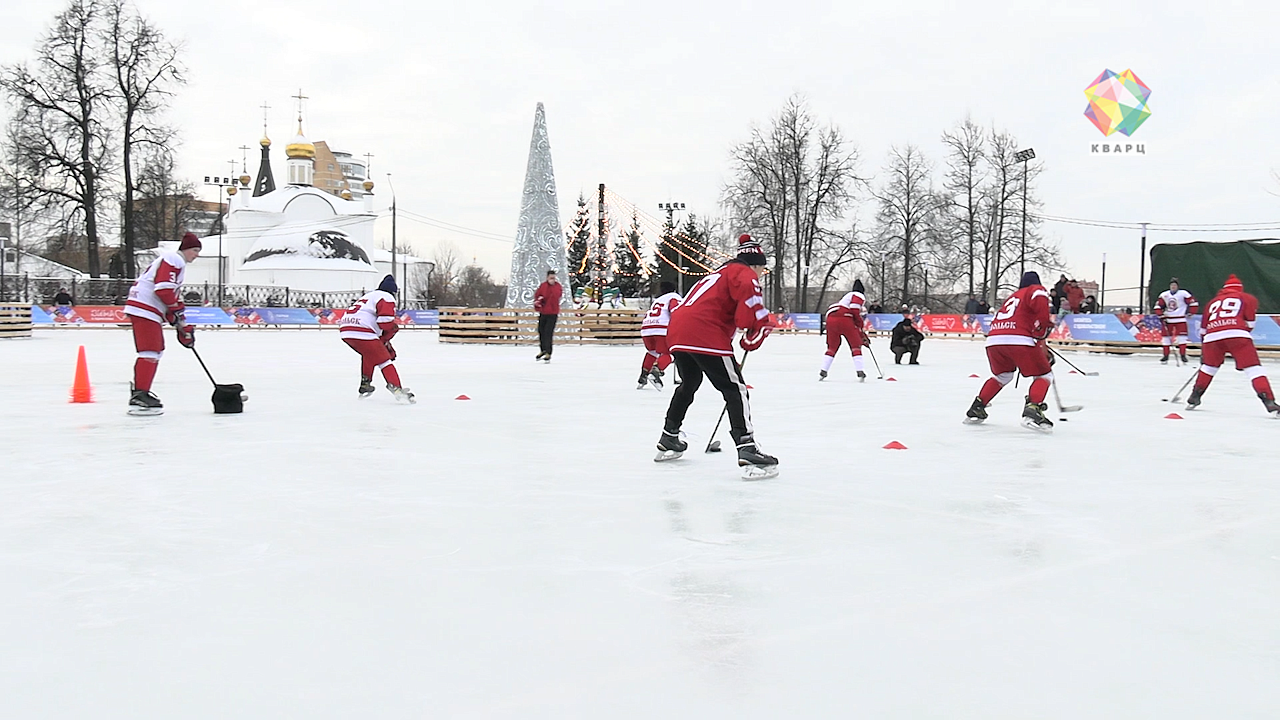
(725, 376)
(546, 330)
(911, 346)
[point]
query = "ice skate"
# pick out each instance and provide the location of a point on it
(401, 394)
(366, 387)
(822, 375)
(977, 412)
(1270, 404)
(670, 447)
(1193, 401)
(144, 402)
(655, 376)
(1164, 360)
(1033, 417)
(539, 357)
(755, 464)
(1185, 361)
(644, 380)
(862, 376)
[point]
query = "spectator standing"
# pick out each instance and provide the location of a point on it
(1075, 296)
(63, 298)
(971, 306)
(1058, 295)
(1089, 306)
(547, 302)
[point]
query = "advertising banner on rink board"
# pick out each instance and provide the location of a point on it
(426, 318)
(39, 316)
(88, 314)
(1097, 328)
(284, 316)
(796, 321)
(207, 316)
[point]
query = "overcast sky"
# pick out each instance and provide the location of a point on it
(648, 97)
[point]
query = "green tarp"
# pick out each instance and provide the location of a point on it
(1202, 267)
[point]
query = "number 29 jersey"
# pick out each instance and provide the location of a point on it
(1024, 319)
(1232, 314)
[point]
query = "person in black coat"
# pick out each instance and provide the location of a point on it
(906, 339)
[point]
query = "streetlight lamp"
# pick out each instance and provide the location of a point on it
(1024, 156)
(230, 184)
(393, 231)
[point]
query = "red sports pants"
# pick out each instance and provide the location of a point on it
(659, 352)
(1006, 360)
(148, 340)
(373, 354)
(1213, 354)
(841, 328)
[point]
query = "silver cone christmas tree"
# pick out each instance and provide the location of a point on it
(539, 239)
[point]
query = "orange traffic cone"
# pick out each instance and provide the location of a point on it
(80, 390)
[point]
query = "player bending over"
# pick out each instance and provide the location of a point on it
(653, 331)
(1173, 306)
(844, 323)
(155, 299)
(1224, 330)
(1016, 344)
(367, 327)
(701, 341)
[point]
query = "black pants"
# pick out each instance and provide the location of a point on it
(546, 330)
(725, 376)
(911, 345)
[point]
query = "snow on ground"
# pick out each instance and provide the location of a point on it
(519, 555)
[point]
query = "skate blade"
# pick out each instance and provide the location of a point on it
(1030, 425)
(145, 412)
(640, 386)
(759, 472)
(665, 455)
(974, 421)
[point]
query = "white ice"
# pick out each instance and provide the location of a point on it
(519, 555)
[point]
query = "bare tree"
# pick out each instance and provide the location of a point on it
(966, 154)
(474, 287)
(62, 108)
(165, 207)
(445, 276)
(145, 71)
(907, 209)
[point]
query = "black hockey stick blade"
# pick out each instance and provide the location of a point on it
(714, 446)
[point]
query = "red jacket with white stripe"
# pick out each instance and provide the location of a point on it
(155, 293)
(1024, 319)
(372, 317)
(849, 306)
(659, 317)
(1232, 314)
(720, 303)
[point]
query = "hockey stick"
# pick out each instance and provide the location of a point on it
(713, 445)
(1073, 365)
(1184, 387)
(877, 362)
(1061, 407)
(206, 369)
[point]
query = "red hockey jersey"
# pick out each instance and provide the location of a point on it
(155, 293)
(849, 306)
(721, 302)
(1232, 314)
(372, 317)
(1024, 319)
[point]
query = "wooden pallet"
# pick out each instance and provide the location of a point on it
(502, 326)
(15, 321)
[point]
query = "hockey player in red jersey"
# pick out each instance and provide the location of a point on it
(1015, 344)
(844, 323)
(155, 299)
(653, 331)
(1224, 330)
(701, 339)
(367, 327)
(1174, 306)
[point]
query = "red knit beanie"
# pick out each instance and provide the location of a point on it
(190, 241)
(1233, 283)
(750, 252)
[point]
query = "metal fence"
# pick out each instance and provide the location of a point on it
(113, 291)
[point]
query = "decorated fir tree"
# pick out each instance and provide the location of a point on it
(579, 244)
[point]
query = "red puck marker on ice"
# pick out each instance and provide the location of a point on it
(1073, 372)
(891, 379)
(750, 387)
(462, 397)
(974, 376)
(1173, 416)
(895, 445)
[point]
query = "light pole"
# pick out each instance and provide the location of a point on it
(230, 184)
(1142, 272)
(883, 296)
(671, 208)
(1024, 156)
(1102, 290)
(393, 231)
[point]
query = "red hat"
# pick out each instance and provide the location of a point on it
(1233, 283)
(750, 252)
(189, 241)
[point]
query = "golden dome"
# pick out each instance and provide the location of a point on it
(346, 194)
(368, 186)
(265, 141)
(300, 146)
(244, 180)
(231, 190)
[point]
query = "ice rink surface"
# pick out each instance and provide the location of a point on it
(519, 555)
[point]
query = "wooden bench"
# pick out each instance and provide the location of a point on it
(502, 326)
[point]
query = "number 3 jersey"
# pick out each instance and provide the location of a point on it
(1231, 315)
(1024, 318)
(659, 317)
(721, 302)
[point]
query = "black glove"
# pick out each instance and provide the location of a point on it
(391, 351)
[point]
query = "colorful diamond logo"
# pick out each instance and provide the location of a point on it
(1117, 103)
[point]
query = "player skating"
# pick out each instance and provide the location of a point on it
(1224, 330)
(155, 299)
(701, 340)
(367, 327)
(653, 331)
(1174, 305)
(1015, 344)
(844, 323)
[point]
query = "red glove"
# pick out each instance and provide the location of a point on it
(753, 339)
(175, 314)
(866, 340)
(390, 350)
(186, 335)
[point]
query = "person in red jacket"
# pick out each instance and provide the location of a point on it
(547, 302)
(1224, 330)
(700, 336)
(1016, 344)
(155, 298)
